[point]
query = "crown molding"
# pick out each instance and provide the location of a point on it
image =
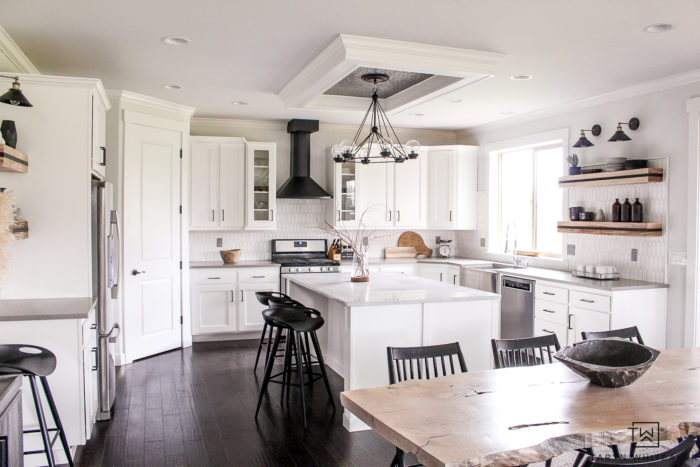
(346, 53)
(200, 123)
(145, 103)
(68, 81)
(648, 87)
(12, 51)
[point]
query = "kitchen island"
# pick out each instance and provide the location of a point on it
(393, 310)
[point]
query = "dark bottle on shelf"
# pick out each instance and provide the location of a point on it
(616, 207)
(626, 211)
(637, 211)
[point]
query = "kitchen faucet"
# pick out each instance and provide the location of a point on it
(517, 261)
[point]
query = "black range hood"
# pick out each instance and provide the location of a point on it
(300, 184)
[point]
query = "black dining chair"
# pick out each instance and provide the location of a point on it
(632, 334)
(674, 457)
(528, 351)
(408, 363)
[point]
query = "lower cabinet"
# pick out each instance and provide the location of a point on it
(447, 273)
(583, 320)
(223, 299)
(11, 439)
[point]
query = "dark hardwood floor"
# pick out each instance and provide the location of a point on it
(196, 406)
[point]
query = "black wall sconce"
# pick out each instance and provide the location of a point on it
(14, 95)
(620, 135)
(584, 142)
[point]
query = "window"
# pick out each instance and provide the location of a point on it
(526, 201)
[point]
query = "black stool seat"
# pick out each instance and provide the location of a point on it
(271, 299)
(264, 297)
(35, 362)
(301, 324)
(26, 359)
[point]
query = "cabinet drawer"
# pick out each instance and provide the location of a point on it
(590, 301)
(543, 327)
(259, 275)
(89, 329)
(551, 294)
(551, 311)
(213, 276)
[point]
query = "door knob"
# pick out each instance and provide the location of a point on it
(135, 272)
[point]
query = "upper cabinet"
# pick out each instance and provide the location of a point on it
(217, 189)
(452, 187)
(342, 211)
(98, 156)
(261, 185)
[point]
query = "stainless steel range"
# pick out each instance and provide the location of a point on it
(298, 256)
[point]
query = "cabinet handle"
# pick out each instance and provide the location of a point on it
(257, 277)
(547, 330)
(212, 215)
(389, 215)
(587, 300)
(94, 352)
(338, 215)
(569, 324)
(104, 156)
(548, 311)
(440, 277)
(548, 293)
(213, 278)
(398, 216)
(232, 296)
(450, 215)
(272, 214)
(93, 326)
(242, 296)
(223, 215)
(454, 279)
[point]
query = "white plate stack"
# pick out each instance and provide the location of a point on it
(615, 163)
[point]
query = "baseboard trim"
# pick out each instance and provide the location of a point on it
(231, 336)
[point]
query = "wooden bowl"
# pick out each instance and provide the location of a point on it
(611, 363)
(230, 256)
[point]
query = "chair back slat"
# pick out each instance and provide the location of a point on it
(631, 333)
(423, 358)
(529, 351)
(674, 457)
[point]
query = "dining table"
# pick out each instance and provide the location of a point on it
(518, 416)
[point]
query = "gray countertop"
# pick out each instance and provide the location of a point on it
(32, 309)
(240, 264)
(565, 277)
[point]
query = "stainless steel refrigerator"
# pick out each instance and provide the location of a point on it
(105, 286)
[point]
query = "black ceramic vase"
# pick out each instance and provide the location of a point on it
(9, 133)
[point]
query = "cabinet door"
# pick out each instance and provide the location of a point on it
(544, 327)
(375, 194)
(441, 166)
(250, 311)
(231, 213)
(90, 384)
(214, 309)
(433, 271)
(452, 275)
(261, 185)
(99, 150)
(587, 320)
(345, 196)
(204, 185)
(410, 193)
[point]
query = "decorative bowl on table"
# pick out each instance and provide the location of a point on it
(230, 256)
(611, 363)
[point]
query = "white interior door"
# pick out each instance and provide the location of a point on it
(375, 194)
(152, 305)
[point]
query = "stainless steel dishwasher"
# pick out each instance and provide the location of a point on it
(517, 307)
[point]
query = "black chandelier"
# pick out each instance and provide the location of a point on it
(381, 145)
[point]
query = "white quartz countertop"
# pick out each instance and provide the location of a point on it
(566, 278)
(46, 308)
(386, 288)
(240, 264)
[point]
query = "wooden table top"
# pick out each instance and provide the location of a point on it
(518, 416)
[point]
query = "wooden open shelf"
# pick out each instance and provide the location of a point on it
(630, 229)
(11, 160)
(620, 177)
(20, 229)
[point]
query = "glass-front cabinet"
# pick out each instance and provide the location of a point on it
(261, 185)
(343, 212)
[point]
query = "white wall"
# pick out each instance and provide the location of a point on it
(663, 133)
(295, 218)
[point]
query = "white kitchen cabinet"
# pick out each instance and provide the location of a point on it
(342, 208)
(543, 327)
(214, 308)
(452, 174)
(217, 183)
(375, 194)
(586, 320)
(447, 273)
(98, 160)
(261, 185)
(411, 193)
(250, 311)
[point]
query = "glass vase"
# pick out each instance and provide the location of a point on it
(360, 265)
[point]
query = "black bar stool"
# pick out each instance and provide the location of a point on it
(33, 361)
(300, 324)
(264, 298)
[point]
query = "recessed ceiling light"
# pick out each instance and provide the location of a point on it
(658, 27)
(239, 103)
(417, 115)
(455, 101)
(175, 40)
(507, 112)
(520, 77)
(172, 87)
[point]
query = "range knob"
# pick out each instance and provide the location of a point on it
(311, 269)
(324, 268)
(294, 269)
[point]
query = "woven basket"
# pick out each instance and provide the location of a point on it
(230, 256)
